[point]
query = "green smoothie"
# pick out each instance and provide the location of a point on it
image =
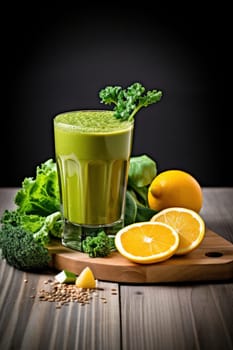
(92, 152)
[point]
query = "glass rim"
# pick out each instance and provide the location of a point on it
(126, 124)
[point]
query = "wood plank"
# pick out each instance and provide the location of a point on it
(177, 317)
(212, 260)
(28, 323)
(217, 210)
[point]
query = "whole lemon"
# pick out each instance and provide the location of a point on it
(175, 188)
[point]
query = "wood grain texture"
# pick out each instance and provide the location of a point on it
(177, 317)
(28, 323)
(217, 211)
(212, 260)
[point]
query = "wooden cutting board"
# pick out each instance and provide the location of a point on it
(212, 260)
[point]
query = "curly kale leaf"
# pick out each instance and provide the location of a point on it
(29, 222)
(43, 228)
(98, 246)
(130, 100)
(110, 94)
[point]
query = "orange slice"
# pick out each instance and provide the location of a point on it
(86, 279)
(189, 225)
(147, 242)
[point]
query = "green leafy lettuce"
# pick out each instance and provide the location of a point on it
(142, 171)
(26, 231)
(40, 195)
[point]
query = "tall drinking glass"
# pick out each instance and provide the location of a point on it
(93, 150)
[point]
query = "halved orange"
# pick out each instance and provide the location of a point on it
(147, 242)
(189, 225)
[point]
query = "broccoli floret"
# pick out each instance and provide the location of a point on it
(98, 246)
(21, 250)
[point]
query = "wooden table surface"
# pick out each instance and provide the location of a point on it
(120, 315)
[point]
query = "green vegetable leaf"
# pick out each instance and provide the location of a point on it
(130, 209)
(97, 246)
(135, 210)
(11, 217)
(52, 227)
(110, 94)
(144, 213)
(40, 196)
(43, 228)
(142, 170)
(30, 222)
(127, 102)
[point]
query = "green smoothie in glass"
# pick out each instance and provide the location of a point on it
(92, 152)
(93, 149)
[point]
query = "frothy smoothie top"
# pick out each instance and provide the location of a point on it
(97, 121)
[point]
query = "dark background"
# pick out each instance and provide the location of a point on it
(57, 59)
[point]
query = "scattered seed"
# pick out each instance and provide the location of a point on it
(63, 294)
(25, 281)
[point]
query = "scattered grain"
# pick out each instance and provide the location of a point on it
(62, 294)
